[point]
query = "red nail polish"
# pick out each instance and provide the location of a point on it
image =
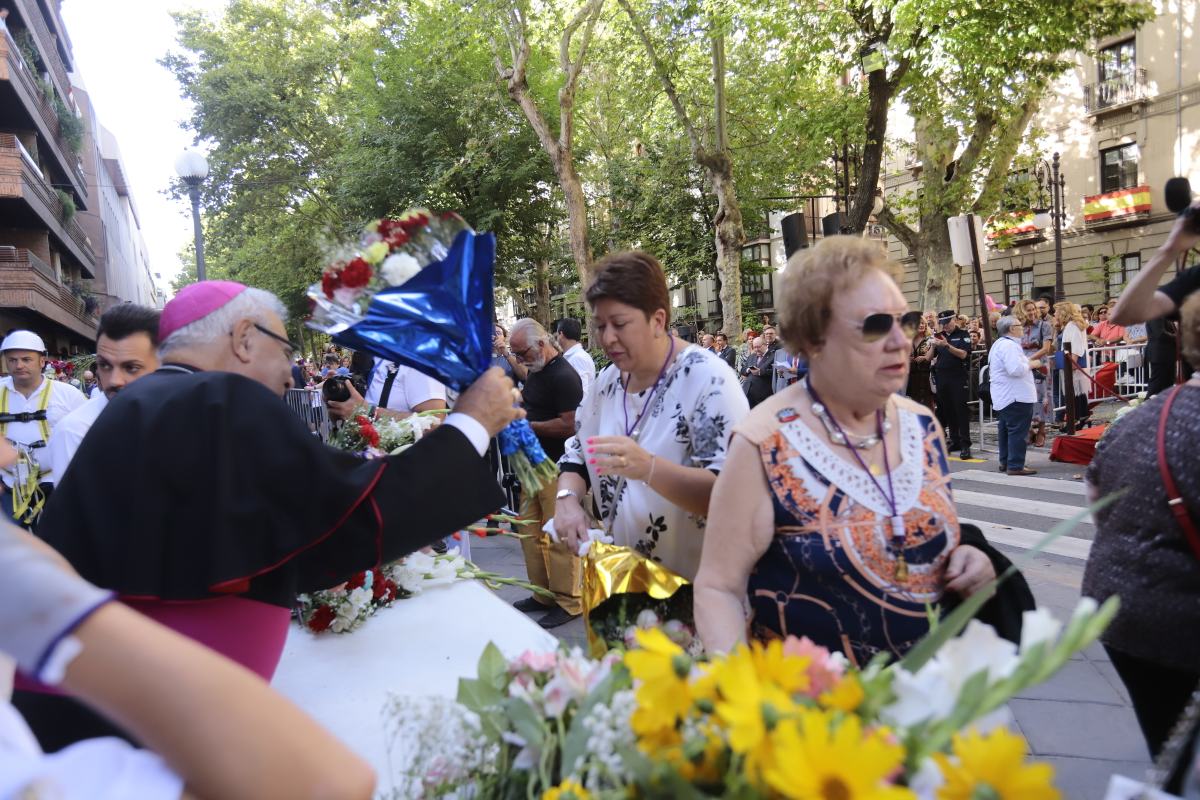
(591, 461)
(591, 449)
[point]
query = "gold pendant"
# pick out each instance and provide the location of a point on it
(901, 568)
(875, 470)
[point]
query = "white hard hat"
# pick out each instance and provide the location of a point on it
(23, 340)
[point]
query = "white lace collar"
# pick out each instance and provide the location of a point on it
(850, 478)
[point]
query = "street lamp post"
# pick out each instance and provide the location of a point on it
(192, 167)
(1049, 176)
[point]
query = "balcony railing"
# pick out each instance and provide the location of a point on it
(1115, 92)
(43, 199)
(26, 85)
(47, 42)
(27, 281)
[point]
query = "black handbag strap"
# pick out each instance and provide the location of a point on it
(386, 394)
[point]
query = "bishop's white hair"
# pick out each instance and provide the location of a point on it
(251, 303)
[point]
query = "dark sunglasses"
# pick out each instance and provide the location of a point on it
(876, 326)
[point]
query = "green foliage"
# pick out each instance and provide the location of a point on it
(67, 203)
(28, 50)
(70, 126)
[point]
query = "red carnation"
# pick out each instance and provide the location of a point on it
(396, 239)
(481, 532)
(367, 431)
(321, 619)
(412, 222)
(329, 283)
(386, 226)
(356, 274)
(356, 580)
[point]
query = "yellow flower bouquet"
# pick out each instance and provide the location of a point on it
(781, 719)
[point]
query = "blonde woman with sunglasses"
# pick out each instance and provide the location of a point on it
(833, 517)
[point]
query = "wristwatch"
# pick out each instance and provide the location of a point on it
(565, 493)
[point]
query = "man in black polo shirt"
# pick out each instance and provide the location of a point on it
(951, 368)
(552, 393)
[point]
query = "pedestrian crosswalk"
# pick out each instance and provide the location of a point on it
(1017, 511)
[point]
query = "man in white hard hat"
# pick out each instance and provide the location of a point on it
(30, 406)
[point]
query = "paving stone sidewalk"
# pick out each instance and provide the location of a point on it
(1080, 721)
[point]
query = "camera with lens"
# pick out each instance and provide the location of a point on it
(336, 389)
(1178, 192)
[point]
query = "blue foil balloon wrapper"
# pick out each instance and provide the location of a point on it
(439, 322)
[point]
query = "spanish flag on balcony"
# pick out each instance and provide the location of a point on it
(1114, 205)
(1010, 224)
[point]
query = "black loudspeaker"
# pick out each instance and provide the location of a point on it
(794, 235)
(831, 224)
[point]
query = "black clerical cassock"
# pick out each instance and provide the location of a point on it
(202, 500)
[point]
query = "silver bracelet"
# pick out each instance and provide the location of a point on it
(650, 476)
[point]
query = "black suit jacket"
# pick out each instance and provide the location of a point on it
(729, 356)
(758, 387)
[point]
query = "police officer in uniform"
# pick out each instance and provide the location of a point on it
(951, 368)
(30, 406)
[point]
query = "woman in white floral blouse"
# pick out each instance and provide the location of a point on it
(652, 431)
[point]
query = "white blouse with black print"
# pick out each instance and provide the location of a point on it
(689, 423)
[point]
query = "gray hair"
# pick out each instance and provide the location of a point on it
(1004, 324)
(535, 333)
(251, 303)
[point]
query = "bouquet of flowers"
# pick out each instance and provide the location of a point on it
(785, 719)
(418, 291)
(344, 608)
(384, 435)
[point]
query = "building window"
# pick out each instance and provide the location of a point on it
(758, 289)
(1117, 64)
(1119, 270)
(759, 253)
(1018, 285)
(1119, 168)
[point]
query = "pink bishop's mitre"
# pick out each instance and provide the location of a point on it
(195, 302)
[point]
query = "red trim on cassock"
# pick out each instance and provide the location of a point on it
(242, 584)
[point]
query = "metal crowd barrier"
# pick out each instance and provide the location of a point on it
(310, 407)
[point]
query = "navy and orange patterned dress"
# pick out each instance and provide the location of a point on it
(831, 572)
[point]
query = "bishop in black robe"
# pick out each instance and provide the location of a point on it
(204, 502)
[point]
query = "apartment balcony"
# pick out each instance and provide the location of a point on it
(20, 92)
(1116, 93)
(1122, 207)
(28, 201)
(27, 282)
(48, 44)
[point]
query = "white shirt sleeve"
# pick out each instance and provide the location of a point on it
(476, 434)
(94, 769)
(1011, 361)
(413, 388)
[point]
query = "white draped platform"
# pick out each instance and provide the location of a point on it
(419, 646)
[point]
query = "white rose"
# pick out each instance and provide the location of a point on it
(398, 268)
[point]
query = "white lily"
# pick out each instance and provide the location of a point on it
(1038, 626)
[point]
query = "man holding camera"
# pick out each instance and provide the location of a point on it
(391, 387)
(1145, 301)
(951, 368)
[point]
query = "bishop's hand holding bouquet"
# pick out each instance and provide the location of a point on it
(418, 291)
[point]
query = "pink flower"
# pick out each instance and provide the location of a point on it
(824, 669)
(538, 662)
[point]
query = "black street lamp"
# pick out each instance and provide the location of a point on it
(192, 166)
(1048, 176)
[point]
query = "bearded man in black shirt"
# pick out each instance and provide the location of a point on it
(552, 392)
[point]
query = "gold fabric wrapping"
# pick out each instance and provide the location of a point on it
(610, 570)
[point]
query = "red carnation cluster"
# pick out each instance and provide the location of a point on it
(384, 589)
(321, 619)
(356, 580)
(367, 431)
(355, 274)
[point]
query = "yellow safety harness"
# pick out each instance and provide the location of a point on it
(28, 498)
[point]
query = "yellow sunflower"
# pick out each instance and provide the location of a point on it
(994, 766)
(661, 669)
(749, 707)
(847, 695)
(567, 790)
(816, 761)
(789, 673)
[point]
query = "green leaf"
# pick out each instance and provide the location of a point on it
(477, 696)
(575, 742)
(493, 667)
(525, 721)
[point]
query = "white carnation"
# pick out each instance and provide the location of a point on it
(398, 268)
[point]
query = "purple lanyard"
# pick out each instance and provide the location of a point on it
(650, 396)
(899, 534)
